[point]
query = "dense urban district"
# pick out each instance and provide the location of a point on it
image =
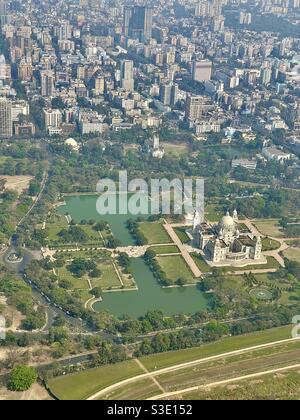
(149, 306)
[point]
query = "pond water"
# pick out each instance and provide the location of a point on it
(186, 300)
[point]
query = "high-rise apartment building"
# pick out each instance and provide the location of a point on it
(4, 19)
(6, 125)
(52, 118)
(201, 70)
(169, 94)
(47, 83)
(127, 80)
(138, 22)
(194, 107)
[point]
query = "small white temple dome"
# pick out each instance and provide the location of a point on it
(72, 143)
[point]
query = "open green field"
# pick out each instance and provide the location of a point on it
(175, 149)
(142, 389)
(269, 228)
(213, 212)
(63, 274)
(109, 278)
(154, 232)
(285, 386)
(201, 263)
(230, 368)
(272, 281)
(270, 244)
(80, 386)
(175, 268)
(293, 254)
(182, 235)
(59, 222)
(165, 249)
(163, 360)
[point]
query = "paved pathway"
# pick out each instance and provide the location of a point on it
(152, 377)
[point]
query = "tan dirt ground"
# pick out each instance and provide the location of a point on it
(17, 183)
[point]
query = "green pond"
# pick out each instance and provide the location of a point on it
(150, 295)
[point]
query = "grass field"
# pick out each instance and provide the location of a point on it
(77, 283)
(230, 367)
(285, 386)
(182, 235)
(269, 228)
(95, 239)
(162, 360)
(202, 265)
(293, 254)
(272, 280)
(213, 212)
(177, 149)
(80, 386)
(175, 268)
(109, 278)
(142, 389)
(270, 244)
(154, 232)
(165, 249)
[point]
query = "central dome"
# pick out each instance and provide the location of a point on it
(227, 222)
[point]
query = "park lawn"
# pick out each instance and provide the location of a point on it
(93, 254)
(163, 360)
(270, 387)
(269, 228)
(177, 149)
(270, 244)
(83, 295)
(213, 212)
(292, 254)
(154, 233)
(77, 283)
(294, 243)
(109, 278)
(94, 237)
(243, 228)
(272, 280)
(53, 229)
(182, 235)
(165, 249)
(82, 385)
(175, 268)
(201, 263)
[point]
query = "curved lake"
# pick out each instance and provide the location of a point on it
(150, 295)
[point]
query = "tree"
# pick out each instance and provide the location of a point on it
(97, 292)
(100, 226)
(181, 282)
(22, 378)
